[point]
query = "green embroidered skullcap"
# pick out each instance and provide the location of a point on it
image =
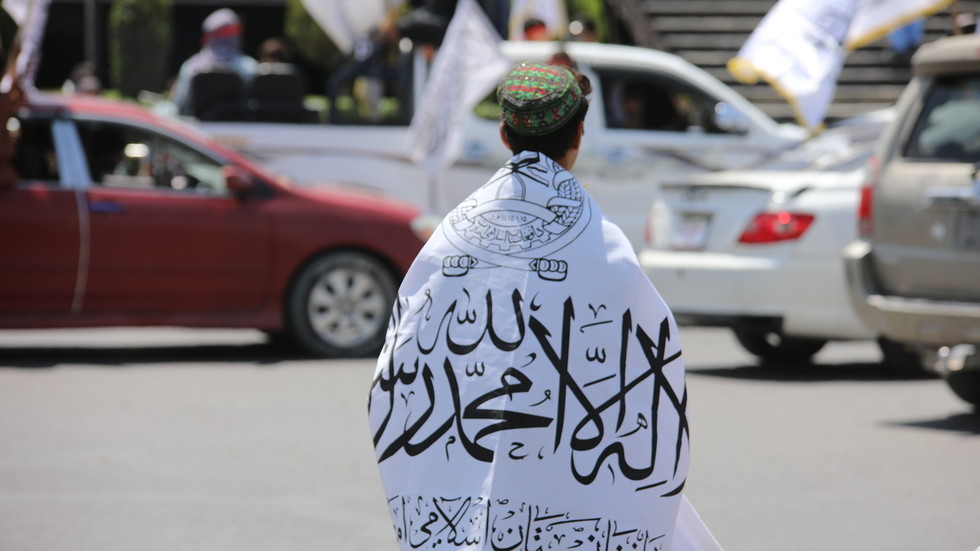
(536, 98)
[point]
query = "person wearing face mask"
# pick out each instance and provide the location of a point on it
(221, 49)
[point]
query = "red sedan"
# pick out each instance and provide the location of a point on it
(121, 217)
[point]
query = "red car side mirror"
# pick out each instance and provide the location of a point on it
(237, 180)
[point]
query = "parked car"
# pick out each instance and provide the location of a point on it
(914, 274)
(758, 251)
(123, 218)
(690, 122)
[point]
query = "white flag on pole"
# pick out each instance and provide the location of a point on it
(800, 46)
(345, 21)
(17, 10)
(467, 67)
(32, 16)
(876, 18)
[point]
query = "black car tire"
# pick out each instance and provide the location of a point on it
(339, 305)
(966, 385)
(901, 357)
(771, 346)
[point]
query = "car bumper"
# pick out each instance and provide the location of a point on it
(807, 296)
(931, 323)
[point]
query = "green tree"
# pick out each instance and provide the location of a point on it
(140, 40)
(312, 44)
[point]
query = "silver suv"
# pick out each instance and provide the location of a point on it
(914, 273)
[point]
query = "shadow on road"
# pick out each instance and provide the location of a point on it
(808, 373)
(46, 357)
(967, 422)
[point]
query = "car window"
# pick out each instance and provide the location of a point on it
(648, 101)
(34, 156)
(948, 129)
(131, 157)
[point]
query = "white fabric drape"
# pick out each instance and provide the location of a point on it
(531, 394)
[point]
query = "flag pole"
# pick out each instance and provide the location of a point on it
(467, 65)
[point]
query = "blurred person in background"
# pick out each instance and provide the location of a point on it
(276, 50)
(965, 23)
(221, 49)
(905, 40)
(536, 29)
(83, 80)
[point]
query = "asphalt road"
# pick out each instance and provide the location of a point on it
(121, 440)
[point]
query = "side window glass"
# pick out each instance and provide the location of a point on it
(948, 128)
(129, 157)
(640, 101)
(34, 157)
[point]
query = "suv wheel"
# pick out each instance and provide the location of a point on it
(966, 385)
(771, 346)
(340, 304)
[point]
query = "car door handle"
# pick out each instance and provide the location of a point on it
(103, 206)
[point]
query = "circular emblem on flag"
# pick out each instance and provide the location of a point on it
(519, 216)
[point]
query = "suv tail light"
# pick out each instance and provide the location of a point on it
(771, 227)
(864, 211)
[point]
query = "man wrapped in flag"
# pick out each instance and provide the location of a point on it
(531, 393)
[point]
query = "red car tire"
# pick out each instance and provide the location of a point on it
(340, 304)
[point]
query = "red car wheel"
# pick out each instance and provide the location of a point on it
(340, 305)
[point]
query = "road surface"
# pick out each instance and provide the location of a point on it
(133, 439)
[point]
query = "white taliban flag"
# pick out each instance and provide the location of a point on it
(800, 46)
(345, 21)
(468, 65)
(32, 17)
(874, 19)
(531, 391)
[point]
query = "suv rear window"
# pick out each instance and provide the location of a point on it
(948, 128)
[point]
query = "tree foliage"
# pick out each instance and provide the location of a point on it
(312, 44)
(140, 41)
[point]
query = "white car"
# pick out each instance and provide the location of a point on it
(759, 251)
(693, 123)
